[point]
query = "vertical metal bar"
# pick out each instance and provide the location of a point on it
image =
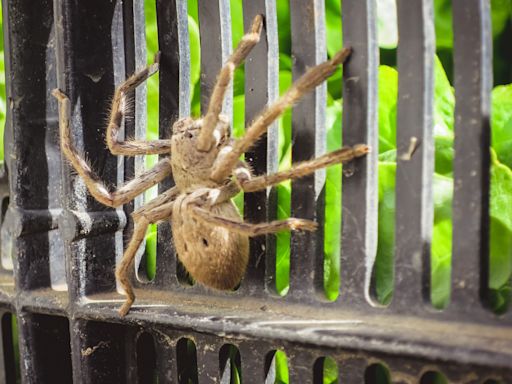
(44, 348)
(261, 89)
(415, 154)
(308, 126)
(360, 187)
(215, 33)
(166, 363)
(135, 125)
(30, 156)
(174, 81)
(352, 370)
(473, 82)
(90, 61)
(252, 355)
(102, 352)
(300, 366)
(208, 369)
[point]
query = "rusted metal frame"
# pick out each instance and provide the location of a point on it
(308, 141)
(360, 181)
(415, 156)
(473, 84)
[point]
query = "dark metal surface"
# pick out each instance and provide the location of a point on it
(68, 324)
(471, 167)
(415, 166)
(308, 141)
(360, 188)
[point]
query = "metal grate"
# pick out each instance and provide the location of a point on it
(69, 329)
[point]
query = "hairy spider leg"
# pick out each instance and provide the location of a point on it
(154, 211)
(96, 187)
(206, 138)
(301, 169)
(307, 82)
(117, 114)
(249, 229)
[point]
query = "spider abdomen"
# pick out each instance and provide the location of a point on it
(214, 256)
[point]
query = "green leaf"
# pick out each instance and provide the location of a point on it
(332, 224)
(501, 123)
(388, 91)
(195, 51)
(284, 26)
(443, 23)
(383, 271)
(333, 30)
(237, 21)
(387, 24)
(501, 225)
(330, 371)
(151, 251)
(444, 102)
(501, 10)
(281, 368)
(444, 153)
(283, 239)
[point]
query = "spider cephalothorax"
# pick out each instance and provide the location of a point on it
(191, 167)
(210, 237)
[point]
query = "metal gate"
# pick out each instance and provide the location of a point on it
(62, 288)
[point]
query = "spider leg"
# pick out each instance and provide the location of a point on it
(156, 210)
(210, 120)
(97, 188)
(299, 170)
(306, 83)
(117, 113)
(291, 224)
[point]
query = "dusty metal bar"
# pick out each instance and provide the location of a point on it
(30, 141)
(261, 89)
(308, 141)
(174, 78)
(253, 361)
(360, 188)
(90, 62)
(415, 155)
(473, 82)
(300, 365)
(352, 370)
(215, 32)
(208, 367)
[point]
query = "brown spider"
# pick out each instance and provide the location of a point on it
(210, 237)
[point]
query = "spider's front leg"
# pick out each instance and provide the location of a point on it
(156, 210)
(306, 83)
(206, 138)
(97, 189)
(117, 114)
